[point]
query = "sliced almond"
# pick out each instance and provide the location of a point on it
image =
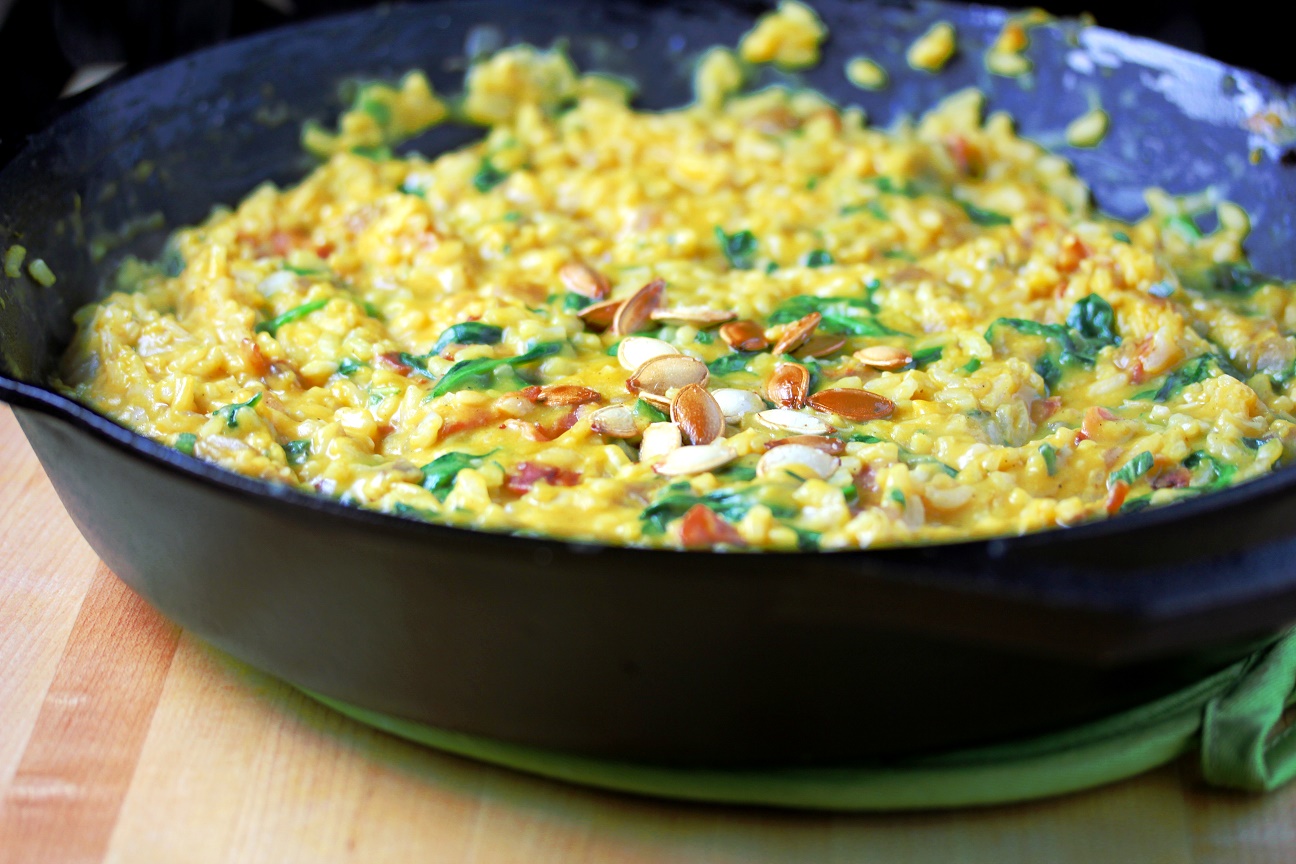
(797, 333)
(698, 316)
(701, 528)
(665, 373)
(637, 311)
(744, 336)
(569, 394)
(736, 404)
(599, 316)
(884, 357)
(821, 345)
(794, 421)
(615, 421)
(789, 385)
(697, 459)
(635, 351)
(659, 440)
(580, 278)
(831, 446)
(857, 405)
(697, 414)
(794, 456)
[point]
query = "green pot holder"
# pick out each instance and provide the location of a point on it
(1233, 717)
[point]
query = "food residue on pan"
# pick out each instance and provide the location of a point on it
(865, 73)
(752, 322)
(1088, 129)
(933, 49)
(789, 37)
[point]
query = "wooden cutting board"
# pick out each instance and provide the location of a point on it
(122, 739)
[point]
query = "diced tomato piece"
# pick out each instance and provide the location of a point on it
(701, 528)
(527, 474)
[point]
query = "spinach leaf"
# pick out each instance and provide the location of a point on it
(729, 504)
(972, 365)
(1049, 370)
(477, 374)
(819, 258)
(298, 451)
(185, 443)
(1121, 237)
(294, 314)
(376, 109)
(906, 188)
(982, 216)
(573, 302)
(1049, 452)
(1132, 470)
(488, 176)
(378, 152)
(230, 412)
(927, 355)
(739, 249)
(873, 208)
(1210, 474)
(348, 365)
(840, 314)
(1093, 318)
(440, 473)
(400, 508)
(1090, 327)
(1184, 226)
(905, 455)
(807, 541)
(727, 364)
(467, 333)
(650, 412)
(1194, 371)
(1229, 278)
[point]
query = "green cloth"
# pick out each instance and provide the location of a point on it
(1242, 746)
(1231, 715)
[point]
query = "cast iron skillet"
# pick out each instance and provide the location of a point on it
(663, 657)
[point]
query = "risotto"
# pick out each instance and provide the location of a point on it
(750, 323)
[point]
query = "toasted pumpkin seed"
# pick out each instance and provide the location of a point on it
(820, 345)
(857, 405)
(794, 421)
(736, 404)
(599, 316)
(659, 440)
(615, 421)
(697, 414)
(635, 351)
(797, 333)
(580, 278)
(569, 394)
(789, 385)
(637, 311)
(793, 456)
(668, 372)
(695, 459)
(698, 316)
(884, 357)
(744, 336)
(831, 446)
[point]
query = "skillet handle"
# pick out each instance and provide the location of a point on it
(1242, 744)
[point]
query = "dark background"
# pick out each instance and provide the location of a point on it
(43, 42)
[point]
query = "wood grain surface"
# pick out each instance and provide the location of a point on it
(122, 739)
